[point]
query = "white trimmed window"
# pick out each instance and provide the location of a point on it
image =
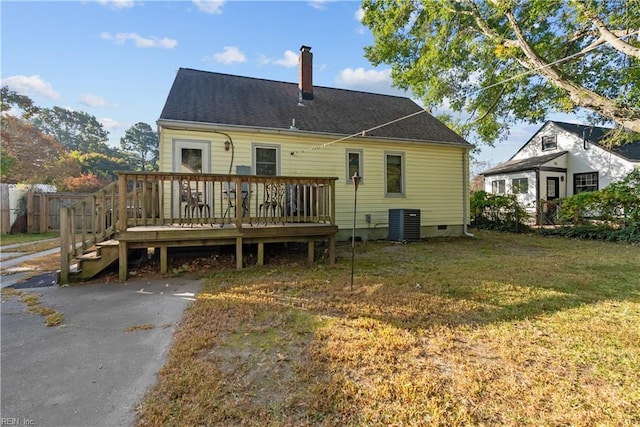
(497, 186)
(266, 159)
(549, 142)
(394, 179)
(520, 185)
(353, 164)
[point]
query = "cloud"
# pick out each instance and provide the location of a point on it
(211, 7)
(230, 55)
(30, 85)
(151, 42)
(117, 4)
(289, 60)
(359, 14)
(92, 100)
(318, 4)
(376, 81)
(358, 76)
(112, 125)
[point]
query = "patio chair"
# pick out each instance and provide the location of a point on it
(273, 201)
(192, 202)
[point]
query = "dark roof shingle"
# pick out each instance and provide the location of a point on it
(224, 99)
(523, 164)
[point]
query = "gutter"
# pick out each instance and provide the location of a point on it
(465, 193)
(191, 125)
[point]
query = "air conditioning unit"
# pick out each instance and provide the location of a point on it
(404, 224)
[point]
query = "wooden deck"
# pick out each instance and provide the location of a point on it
(165, 210)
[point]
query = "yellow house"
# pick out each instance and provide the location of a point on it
(409, 162)
(253, 161)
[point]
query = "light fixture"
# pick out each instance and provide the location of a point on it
(227, 145)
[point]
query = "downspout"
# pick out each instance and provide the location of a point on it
(538, 199)
(465, 193)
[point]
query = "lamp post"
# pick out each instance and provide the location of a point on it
(356, 181)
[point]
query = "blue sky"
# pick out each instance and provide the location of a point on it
(116, 60)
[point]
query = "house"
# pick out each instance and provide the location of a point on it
(407, 159)
(252, 161)
(560, 160)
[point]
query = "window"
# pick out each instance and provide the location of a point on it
(520, 185)
(497, 186)
(266, 159)
(394, 174)
(549, 142)
(354, 164)
(585, 182)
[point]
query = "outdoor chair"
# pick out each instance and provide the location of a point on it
(273, 201)
(193, 203)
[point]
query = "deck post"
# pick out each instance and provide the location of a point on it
(261, 253)
(163, 260)
(122, 261)
(310, 251)
(64, 246)
(238, 253)
(122, 203)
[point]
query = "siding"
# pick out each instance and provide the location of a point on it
(433, 173)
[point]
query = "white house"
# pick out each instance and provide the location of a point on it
(560, 160)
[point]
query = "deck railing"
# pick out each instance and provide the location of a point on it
(187, 200)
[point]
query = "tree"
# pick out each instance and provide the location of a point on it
(143, 143)
(35, 156)
(497, 62)
(10, 99)
(76, 130)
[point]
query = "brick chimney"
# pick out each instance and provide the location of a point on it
(305, 81)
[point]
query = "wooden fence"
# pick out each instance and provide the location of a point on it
(40, 213)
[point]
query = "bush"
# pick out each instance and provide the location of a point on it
(596, 232)
(497, 212)
(618, 205)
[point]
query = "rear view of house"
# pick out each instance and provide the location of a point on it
(407, 158)
(560, 160)
(252, 161)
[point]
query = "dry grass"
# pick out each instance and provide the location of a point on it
(143, 327)
(11, 239)
(497, 330)
(32, 302)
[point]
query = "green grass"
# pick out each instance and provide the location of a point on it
(10, 239)
(497, 330)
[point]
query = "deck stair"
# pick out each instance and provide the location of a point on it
(94, 260)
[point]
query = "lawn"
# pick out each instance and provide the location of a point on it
(501, 329)
(10, 239)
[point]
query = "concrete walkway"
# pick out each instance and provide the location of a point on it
(94, 368)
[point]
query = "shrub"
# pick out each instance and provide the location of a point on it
(618, 204)
(497, 212)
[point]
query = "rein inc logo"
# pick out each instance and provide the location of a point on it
(15, 421)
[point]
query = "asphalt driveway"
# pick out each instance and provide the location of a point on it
(94, 368)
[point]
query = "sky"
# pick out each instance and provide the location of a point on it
(116, 60)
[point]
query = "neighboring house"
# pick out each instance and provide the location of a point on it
(407, 158)
(560, 160)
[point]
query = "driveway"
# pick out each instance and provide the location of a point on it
(94, 368)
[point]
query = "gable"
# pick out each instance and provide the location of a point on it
(203, 97)
(576, 138)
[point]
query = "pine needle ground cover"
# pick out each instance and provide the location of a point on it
(501, 329)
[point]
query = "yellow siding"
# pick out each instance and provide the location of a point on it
(433, 173)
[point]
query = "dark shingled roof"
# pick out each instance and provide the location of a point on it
(523, 164)
(595, 134)
(223, 99)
